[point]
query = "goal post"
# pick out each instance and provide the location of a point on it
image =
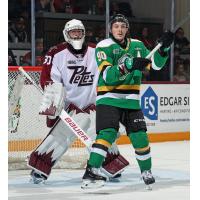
(27, 128)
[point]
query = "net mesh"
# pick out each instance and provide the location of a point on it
(27, 128)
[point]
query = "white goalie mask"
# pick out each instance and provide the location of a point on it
(76, 42)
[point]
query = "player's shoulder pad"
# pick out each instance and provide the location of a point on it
(105, 43)
(57, 48)
(136, 40)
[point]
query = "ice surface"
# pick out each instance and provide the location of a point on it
(170, 168)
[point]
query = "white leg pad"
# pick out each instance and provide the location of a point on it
(56, 143)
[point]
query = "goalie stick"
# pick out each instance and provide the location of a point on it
(64, 116)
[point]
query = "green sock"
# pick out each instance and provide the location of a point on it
(140, 140)
(144, 164)
(96, 160)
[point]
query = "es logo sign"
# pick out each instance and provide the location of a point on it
(149, 103)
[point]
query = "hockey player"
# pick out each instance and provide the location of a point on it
(69, 78)
(121, 61)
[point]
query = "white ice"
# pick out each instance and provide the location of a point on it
(171, 168)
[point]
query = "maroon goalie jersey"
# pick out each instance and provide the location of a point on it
(77, 70)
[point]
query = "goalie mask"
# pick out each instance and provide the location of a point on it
(74, 33)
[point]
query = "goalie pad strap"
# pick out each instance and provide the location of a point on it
(51, 122)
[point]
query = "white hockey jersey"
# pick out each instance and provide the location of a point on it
(77, 72)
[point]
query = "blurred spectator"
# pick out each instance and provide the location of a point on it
(44, 6)
(145, 38)
(16, 7)
(39, 54)
(186, 64)
(125, 9)
(17, 31)
(114, 8)
(177, 58)
(181, 74)
(122, 8)
(25, 8)
(100, 7)
(59, 5)
(11, 58)
(89, 36)
(181, 41)
(100, 33)
(176, 52)
(66, 6)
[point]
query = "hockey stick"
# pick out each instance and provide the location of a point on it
(64, 116)
(154, 50)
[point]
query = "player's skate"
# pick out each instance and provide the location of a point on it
(93, 178)
(148, 178)
(37, 178)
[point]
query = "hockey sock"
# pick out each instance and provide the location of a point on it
(103, 142)
(140, 142)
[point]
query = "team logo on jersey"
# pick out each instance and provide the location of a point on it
(149, 104)
(116, 51)
(71, 62)
(80, 76)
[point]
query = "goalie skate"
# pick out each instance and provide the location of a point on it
(93, 179)
(37, 178)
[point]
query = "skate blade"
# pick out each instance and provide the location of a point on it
(114, 180)
(87, 184)
(149, 187)
(36, 181)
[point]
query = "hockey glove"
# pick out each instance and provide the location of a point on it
(53, 100)
(136, 64)
(166, 40)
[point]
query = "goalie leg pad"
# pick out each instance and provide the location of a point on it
(51, 149)
(44, 157)
(114, 164)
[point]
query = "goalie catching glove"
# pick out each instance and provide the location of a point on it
(53, 100)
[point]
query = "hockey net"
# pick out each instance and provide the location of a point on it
(27, 128)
